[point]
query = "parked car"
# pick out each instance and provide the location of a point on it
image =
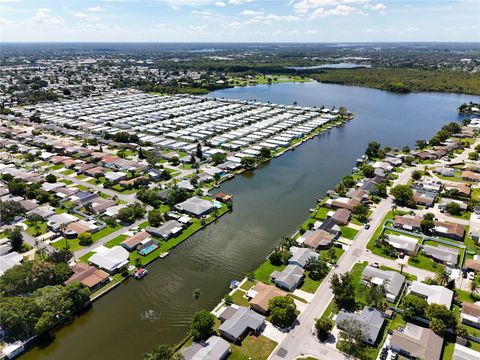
(367, 226)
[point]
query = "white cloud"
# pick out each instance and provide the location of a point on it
(235, 25)
(85, 16)
(95, 9)
(339, 10)
(412, 29)
(198, 27)
(378, 6)
(272, 17)
(251, 13)
(4, 21)
(311, 32)
(304, 6)
(42, 16)
(201, 12)
(238, 2)
(220, 4)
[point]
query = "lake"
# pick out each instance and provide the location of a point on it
(268, 203)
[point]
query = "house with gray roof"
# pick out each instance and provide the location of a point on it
(369, 318)
(300, 256)
(240, 322)
(403, 243)
(434, 294)
(289, 278)
(442, 254)
(167, 230)
(195, 206)
(215, 348)
(391, 280)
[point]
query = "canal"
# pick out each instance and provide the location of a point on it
(268, 203)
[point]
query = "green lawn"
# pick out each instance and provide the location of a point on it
(104, 232)
(407, 276)
(348, 233)
(85, 257)
(310, 285)
(423, 262)
(62, 243)
(31, 228)
(238, 299)
(263, 271)
(247, 285)
(322, 213)
(68, 172)
(116, 241)
(475, 194)
(258, 348)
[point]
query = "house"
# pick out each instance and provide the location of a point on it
(433, 294)
(195, 206)
(300, 256)
(97, 171)
(89, 276)
(214, 348)
(9, 260)
(115, 176)
(462, 189)
(470, 176)
(167, 230)
(81, 197)
(406, 244)
(289, 278)
(222, 197)
(111, 260)
(449, 229)
(411, 223)
(474, 229)
(79, 227)
(392, 280)
(341, 216)
(441, 254)
(132, 242)
(342, 203)
(58, 220)
(330, 226)
(461, 352)
(238, 322)
(99, 205)
(445, 201)
(319, 239)
(261, 294)
(424, 198)
(472, 264)
(443, 171)
(470, 314)
(417, 342)
(369, 318)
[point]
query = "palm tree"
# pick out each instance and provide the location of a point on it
(196, 295)
(473, 287)
(442, 276)
(401, 267)
(37, 229)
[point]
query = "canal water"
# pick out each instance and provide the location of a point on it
(268, 203)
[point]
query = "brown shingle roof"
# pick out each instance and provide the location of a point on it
(264, 294)
(341, 216)
(470, 309)
(88, 275)
(136, 239)
(318, 238)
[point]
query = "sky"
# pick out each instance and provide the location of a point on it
(239, 20)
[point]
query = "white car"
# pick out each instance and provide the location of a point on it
(471, 275)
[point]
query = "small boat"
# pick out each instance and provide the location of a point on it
(163, 254)
(234, 284)
(140, 273)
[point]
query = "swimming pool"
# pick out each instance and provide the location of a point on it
(148, 249)
(217, 204)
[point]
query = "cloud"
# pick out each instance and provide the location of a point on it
(235, 25)
(85, 16)
(201, 12)
(4, 21)
(412, 29)
(251, 13)
(95, 9)
(339, 10)
(42, 16)
(198, 27)
(304, 6)
(378, 6)
(220, 4)
(239, 2)
(267, 19)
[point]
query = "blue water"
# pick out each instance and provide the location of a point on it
(148, 249)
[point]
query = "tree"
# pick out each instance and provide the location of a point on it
(380, 189)
(403, 195)
(427, 223)
(282, 311)
(332, 254)
(441, 312)
(416, 175)
(437, 326)
(16, 238)
(421, 144)
(324, 326)
(155, 217)
(413, 306)
(348, 181)
(367, 170)
(177, 195)
(85, 239)
(162, 352)
(473, 155)
(343, 289)
(218, 158)
(51, 178)
(202, 325)
(265, 153)
(376, 297)
(248, 161)
(372, 150)
(276, 258)
(60, 256)
(360, 209)
(196, 295)
(340, 189)
(198, 152)
(462, 331)
(442, 276)
(406, 149)
(351, 334)
(317, 268)
(453, 208)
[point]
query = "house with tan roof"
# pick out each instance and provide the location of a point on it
(417, 342)
(470, 314)
(319, 239)
(89, 276)
(132, 242)
(261, 294)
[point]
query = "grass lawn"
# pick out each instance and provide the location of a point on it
(407, 276)
(238, 298)
(263, 271)
(68, 172)
(475, 194)
(144, 225)
(247, 285)
(322, 213)
(465, 296)
(104, 232)
(116, 241)
(423, 262)
(31, 228)
(448, 348)
(338, 252)
(85, 257)
(62, 243)
(348, 233)
(310, 285)
(257, 348)
(56, 167)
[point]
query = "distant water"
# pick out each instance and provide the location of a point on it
(268, 203)
(330, 66)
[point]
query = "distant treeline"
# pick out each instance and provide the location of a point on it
(404, 80)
